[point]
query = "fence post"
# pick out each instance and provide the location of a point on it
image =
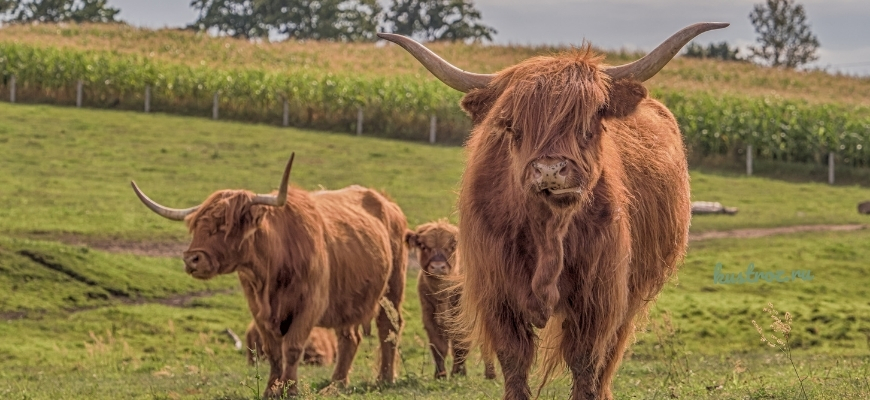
(12, 89)
(147, 98)
(214, 109)
(359, 121)
(432, 124)
(286, 112)
(831, 168)
(79, 93)
(749, 160)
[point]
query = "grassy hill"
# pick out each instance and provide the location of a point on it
(79, 323)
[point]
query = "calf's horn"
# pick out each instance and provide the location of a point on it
(640, 70)
(652, 63)
(279, 199)
(166, 212)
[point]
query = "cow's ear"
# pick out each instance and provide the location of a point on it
(477, 103)
(625, 95)
(412, 239)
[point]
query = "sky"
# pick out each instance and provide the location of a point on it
(841, 26)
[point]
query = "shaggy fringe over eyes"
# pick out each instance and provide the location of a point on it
(222, 209)
(550, 96)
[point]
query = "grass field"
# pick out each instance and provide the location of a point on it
(78, 323)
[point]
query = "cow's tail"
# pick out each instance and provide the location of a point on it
(549, 352)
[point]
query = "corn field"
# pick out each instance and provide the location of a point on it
(400, 106)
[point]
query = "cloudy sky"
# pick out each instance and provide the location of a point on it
(842, 26)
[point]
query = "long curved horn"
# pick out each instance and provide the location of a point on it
(653, 62)
(281, 198)
(165, 212)
(454, 77)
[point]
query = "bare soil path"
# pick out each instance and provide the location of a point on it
(174, 249)
(761, 232)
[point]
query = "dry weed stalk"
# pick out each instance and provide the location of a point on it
(783, 327)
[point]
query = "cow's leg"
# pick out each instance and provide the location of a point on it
(513, 341)
(460, 354)
(614, 358)
(488, 368)
(390, 322)
(272, 351)
(348, 342)
(292, 348)
(438, 343)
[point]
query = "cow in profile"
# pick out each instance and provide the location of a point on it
(435, 246)
(574, 208)
(304, 259)
(320, 348)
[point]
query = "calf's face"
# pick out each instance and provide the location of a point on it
(435, 244)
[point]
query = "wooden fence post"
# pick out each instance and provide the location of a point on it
(147, 98)
(359, 121)
(749, 160)
(214, 110)
(286, 120)
(79, 93)
(12, 89)
(432, 125)
(831, 168)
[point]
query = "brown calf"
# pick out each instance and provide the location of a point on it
(435, 245)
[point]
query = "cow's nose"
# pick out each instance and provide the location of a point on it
(438, 267)
(548, 173)
(193, 260)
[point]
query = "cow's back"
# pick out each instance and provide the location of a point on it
(361, 229)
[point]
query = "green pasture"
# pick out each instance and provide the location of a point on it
(78, 323)
(65, 171)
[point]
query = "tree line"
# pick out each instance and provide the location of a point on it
(784, 36)
(333, 20)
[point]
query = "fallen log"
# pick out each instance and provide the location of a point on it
(710, 207)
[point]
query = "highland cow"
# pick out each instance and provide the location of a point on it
(304, 259)
(435, 246)
(574, 208)
(320, 348)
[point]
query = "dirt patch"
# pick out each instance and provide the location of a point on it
(179, 300)
(754, 233)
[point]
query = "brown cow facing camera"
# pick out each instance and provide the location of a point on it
(574, 208)
(320, 348)
(435, 246)
(304, 259)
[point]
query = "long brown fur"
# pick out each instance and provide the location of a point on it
(585, 265)
(435, 242)
(324, 259)
(320, 349)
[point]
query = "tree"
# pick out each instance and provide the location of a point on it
(343, 20)
(437, 20)
(340, 20)
(720, 51)
(240, 19)
(58, 11)
(784, 35)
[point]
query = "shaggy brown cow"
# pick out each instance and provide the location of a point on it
(320, 348)
(574, 208)
(322, 258)
(435, 245)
